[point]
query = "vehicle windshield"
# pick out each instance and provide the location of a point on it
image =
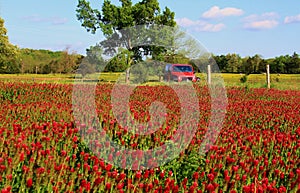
(182, 69)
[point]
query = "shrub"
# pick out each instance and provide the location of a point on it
(243, 79)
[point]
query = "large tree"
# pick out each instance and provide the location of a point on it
(234, 63)
(8, 52)
(68, 61)
(115, 20)
(93, 61)
(252, 64)
(293, 64)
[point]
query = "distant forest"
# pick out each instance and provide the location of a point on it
(46, 62)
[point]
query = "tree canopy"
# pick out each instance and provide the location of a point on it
(113, 20)
(8, 52)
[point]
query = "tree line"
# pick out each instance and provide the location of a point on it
(46, 61)
(230, 63)
(15, 60)
(233, 63)
(40, 61)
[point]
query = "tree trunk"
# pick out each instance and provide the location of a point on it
(127, 75)
(129, 61)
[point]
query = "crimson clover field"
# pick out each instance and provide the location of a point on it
(42, 149)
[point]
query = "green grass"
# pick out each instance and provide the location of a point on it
(282, 81)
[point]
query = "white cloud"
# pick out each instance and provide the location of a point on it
(260, 22)
(210, 27)
(58, 20)
(264, 16)
(185, 22)
(200, 25)
(259, 25)
(216, 12)
(52, 20)
(292, 19)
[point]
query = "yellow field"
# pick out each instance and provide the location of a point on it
(278, 81)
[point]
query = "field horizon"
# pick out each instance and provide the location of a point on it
(278, 81)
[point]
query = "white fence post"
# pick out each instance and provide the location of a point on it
(268, 76)
(208, 74)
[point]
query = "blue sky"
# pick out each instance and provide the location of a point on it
(269, 28)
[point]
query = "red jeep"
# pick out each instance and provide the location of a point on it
(179, 72)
